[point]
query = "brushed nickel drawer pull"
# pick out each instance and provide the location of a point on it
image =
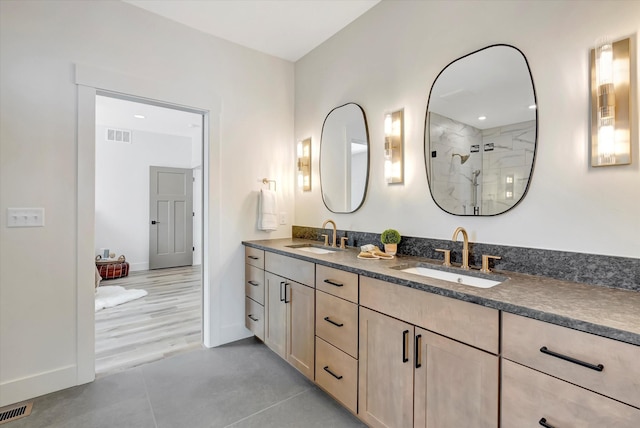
(255, 284)
(253, 318)
(326, 369)
(254, 257)
(327, 319)
(544, 423)
(337, 284)
(282, 299)
(598, 367)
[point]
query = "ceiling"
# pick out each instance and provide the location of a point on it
(287, 29)
(117, 113)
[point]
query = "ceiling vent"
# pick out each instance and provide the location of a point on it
(118, 135)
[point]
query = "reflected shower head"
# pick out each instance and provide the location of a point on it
(463, 158)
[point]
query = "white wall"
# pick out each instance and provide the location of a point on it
(122, 189)
(250, 96)
(389, 58)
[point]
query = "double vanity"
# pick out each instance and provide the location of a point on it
(409, 342)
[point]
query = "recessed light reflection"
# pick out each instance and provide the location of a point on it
(138, 116)
(533, 106)
(482, 117)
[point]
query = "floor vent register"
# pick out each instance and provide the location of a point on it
(16, 411)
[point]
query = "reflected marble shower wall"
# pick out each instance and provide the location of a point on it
(500, 157)
(451, 180)
(506, 168)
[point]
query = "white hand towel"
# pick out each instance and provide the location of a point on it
(267, 209)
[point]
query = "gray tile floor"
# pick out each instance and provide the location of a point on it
(242, 384)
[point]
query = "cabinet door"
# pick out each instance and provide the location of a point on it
(386, 371)
(455, 385)
(275, 331)
(300, 302)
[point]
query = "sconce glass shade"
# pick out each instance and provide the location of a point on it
(610, 94)
(394, 147)
(303, 151)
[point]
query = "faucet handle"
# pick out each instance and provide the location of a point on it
(326, 239)
(485, 262)
(447, 256)
(343, 242)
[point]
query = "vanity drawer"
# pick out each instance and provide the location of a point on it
(337, 322)
(254, 320)
(295, 269)
(466, 322)
(528, 396)
(337, 282)
(525, 341)
(343, 383)
(254, 257)
(254, 283)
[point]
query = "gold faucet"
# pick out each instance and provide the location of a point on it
(335, 232)
(465, 246)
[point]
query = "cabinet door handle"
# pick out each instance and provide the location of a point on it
(418, 351)
(255, 284)
(281, 287)
(544, 423)
(333, 322)
(405, 346)
(596, 367)
(326, 369)
(337, 284)
(254, 257)
(285, 293)
(252, 318)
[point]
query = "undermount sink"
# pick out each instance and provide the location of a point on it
(458, 278)
(311, 248)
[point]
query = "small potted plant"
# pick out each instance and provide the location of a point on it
(390, 238)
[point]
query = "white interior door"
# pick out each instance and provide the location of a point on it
(170, 217)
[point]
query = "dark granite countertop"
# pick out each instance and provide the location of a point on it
(607, 312)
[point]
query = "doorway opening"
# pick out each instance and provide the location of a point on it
(149, 229)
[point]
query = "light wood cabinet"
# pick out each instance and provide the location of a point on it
(300, 327)
(300, 271)
(386, 371)
(337, 283)
(455, 385)
(289, 329)
(606, 366)
(469, 323)
(532, 399)
(254, 320)
(254, 291)
(337, 373)
(413, 377)
(337, 322)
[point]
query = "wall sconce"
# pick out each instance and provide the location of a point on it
(394, 147)
(304, 164)
(610, 94)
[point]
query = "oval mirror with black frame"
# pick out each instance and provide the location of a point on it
(344, 158)
(481, 132)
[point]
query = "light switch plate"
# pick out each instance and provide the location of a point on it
(283, 217)
(25, 217)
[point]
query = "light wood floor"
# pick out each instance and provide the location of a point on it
(165, 322)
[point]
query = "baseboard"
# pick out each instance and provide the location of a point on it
(30, 387)
(231, 333)
(135, 267)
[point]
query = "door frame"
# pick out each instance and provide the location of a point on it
(90, 82)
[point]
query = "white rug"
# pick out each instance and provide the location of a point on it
(109, 296)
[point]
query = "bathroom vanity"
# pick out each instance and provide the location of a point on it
(400, 350)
